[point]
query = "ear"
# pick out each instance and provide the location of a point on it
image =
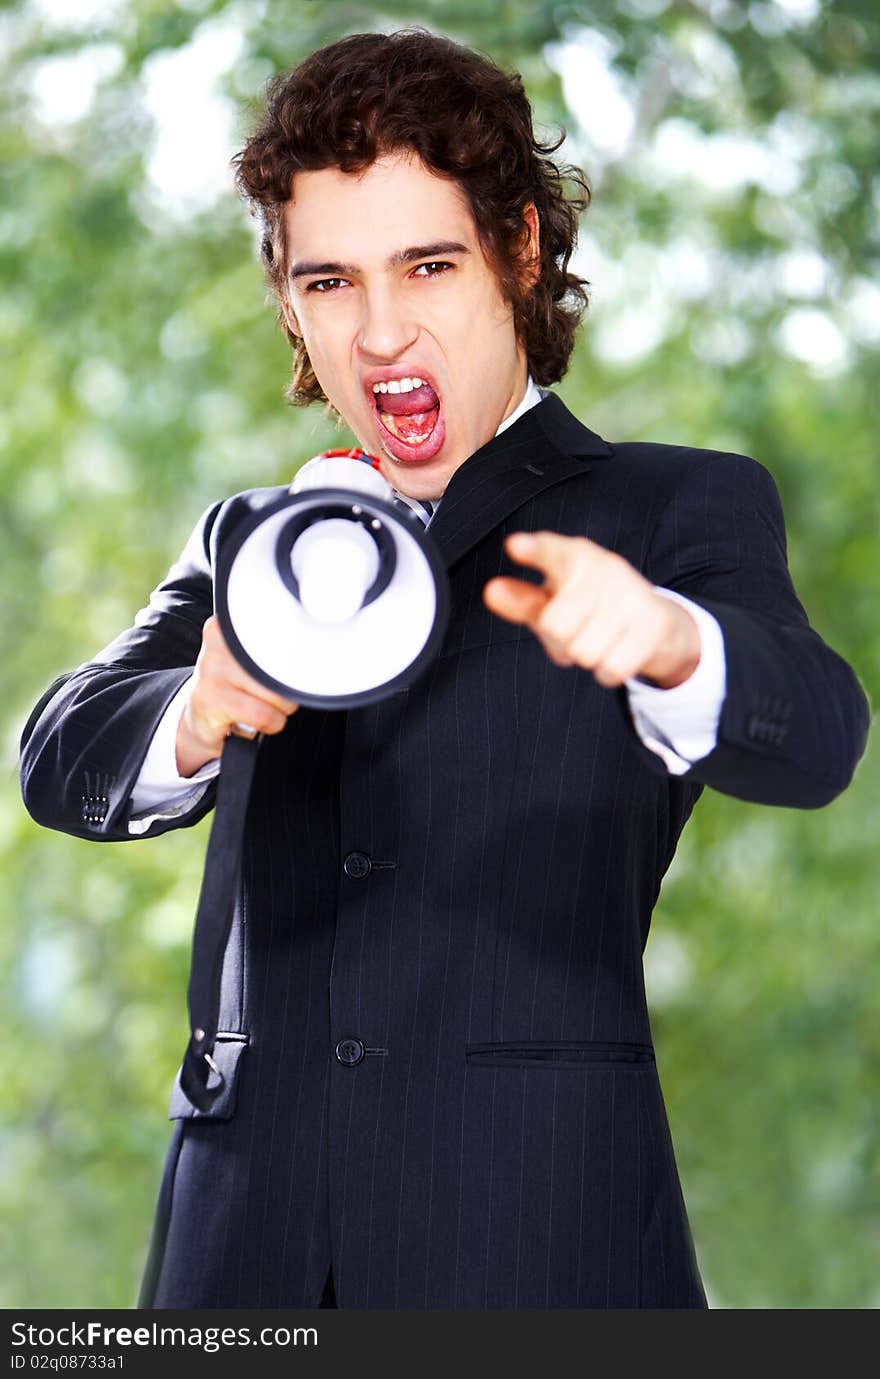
(290, 317)
(530, 252)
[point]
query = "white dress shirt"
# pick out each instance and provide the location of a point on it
(680, 725)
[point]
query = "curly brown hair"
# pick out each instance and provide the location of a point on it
(374, 94)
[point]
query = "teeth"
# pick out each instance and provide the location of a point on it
(399, 385)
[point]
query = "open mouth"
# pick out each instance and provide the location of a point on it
(410, 417)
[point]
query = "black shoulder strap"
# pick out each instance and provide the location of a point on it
(214, 919)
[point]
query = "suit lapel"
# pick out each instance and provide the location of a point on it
(545, 446)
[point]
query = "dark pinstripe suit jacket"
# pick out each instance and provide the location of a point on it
(502, 1142)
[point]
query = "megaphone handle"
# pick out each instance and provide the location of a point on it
(214, 918)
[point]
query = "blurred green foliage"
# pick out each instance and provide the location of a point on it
(731, 246)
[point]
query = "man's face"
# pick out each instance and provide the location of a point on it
(388, 284)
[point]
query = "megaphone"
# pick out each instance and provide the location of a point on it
(333, 595)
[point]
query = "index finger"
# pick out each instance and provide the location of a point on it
(243, 680)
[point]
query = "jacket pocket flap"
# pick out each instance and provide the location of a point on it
(227, 1055)
(558, 1053)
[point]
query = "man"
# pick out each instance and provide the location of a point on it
(442, 1090)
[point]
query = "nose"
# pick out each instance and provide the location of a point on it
(386, 329)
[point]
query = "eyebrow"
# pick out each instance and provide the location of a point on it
(396, 260)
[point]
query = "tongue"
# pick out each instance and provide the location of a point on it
(413, 429)
(422, 399)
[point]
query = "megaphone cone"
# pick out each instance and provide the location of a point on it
(333, 595)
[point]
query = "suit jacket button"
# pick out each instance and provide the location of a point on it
(357, 865)
(349, 1052)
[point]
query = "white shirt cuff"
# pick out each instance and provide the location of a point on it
(681, 724)
(160, 792)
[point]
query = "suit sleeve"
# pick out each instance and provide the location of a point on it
(84, 743)
(795, 719)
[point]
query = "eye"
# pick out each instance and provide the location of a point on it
(432, 270)
(325, 285)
